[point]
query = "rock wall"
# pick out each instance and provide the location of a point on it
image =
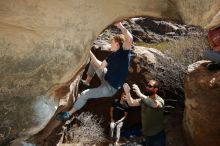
(44, 42)
(202, 106)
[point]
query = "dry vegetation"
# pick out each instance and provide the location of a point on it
(86, 133)
(187, 50)
(183, 51)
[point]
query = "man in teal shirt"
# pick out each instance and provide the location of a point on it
(152, 112)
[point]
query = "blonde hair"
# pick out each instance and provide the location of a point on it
(120, 38)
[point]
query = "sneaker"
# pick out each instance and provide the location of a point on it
(63, 116)
(213, 66)
(83, 85)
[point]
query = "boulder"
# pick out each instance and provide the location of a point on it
(146, 30)
(202, 106)
(139, 34)
(150, 63)
(147, 24)
(44, 43)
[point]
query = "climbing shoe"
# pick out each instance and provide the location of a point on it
(63, 116)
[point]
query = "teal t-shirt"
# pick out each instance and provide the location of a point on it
(152, 118)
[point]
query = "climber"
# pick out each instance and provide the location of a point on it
(112, 72)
